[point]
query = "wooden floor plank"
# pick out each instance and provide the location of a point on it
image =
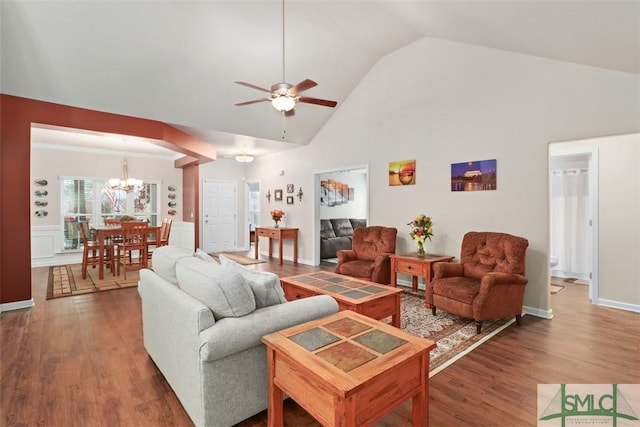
(80, 361)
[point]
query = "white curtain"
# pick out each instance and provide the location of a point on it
(570, 240)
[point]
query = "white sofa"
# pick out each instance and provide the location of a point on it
(202, 324)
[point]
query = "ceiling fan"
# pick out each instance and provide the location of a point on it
(284, 96)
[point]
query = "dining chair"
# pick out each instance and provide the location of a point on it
(90, 255)
(134, 238)
(161, 238)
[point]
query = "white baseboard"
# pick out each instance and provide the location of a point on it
(17, 305)
(618, 305)
(545, 314)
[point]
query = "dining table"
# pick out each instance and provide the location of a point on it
(104, 232)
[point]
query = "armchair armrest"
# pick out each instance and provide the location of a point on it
(447, 269)
(345, 255)
(492, 279)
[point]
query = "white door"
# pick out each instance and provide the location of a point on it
(219, 215)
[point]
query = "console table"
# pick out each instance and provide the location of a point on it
(415, 266)
(280, 234)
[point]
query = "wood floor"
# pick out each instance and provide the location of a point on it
(79, 361)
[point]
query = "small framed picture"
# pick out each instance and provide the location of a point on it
(289, 188)
(289, 200)
(277, 195)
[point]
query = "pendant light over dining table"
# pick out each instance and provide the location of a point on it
(125, 182)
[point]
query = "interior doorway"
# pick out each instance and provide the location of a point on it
(252, 206)
(219, 213)
(339, 193)
(573, 213)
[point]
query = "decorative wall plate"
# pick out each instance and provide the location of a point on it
(172, 212)
(171, 188)
(41, 182)
(41, 193)
(41, 213)
(171, 196)
(172, 204)
(41, 202)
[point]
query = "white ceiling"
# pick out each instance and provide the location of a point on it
(176, 61)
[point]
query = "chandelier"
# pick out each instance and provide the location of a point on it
(125, 183)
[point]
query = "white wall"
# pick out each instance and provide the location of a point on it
(442, 102)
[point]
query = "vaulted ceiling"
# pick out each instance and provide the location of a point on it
(176, 61)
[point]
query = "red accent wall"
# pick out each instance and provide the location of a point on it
(16, 117)
(190, 205)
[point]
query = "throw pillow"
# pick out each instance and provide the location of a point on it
(265, 285)
(223, 290)
(164, 261)
(199, 253)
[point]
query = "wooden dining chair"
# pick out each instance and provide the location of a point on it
(134, 239)
(90, 254)
(161, 238)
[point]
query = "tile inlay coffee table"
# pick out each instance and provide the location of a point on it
(347, 370)
(368, 298)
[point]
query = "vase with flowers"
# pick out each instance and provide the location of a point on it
(421, 230)
(276, 216)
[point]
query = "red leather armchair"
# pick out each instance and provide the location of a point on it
(368, 257)
(488, 283)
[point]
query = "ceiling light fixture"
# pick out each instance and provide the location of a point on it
(125, 183)
(244, 158)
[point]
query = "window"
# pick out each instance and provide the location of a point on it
(91, 201)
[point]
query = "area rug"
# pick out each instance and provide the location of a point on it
(239, 258)
(66, 281)
(455, 336)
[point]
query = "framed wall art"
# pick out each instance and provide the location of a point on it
(289, 200)
(402, 172)
(289, 188)
(479, 175)
(277, 195)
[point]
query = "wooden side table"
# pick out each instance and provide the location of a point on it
(415, 266)
(347, 370)
(280, 234)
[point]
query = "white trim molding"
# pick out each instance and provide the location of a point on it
(17, 305)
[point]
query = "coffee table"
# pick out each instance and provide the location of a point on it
(362, 296)
(347, 370)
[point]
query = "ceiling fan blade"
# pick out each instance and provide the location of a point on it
(302, 86)
(323, 102)
(252, 86)
(255, 101)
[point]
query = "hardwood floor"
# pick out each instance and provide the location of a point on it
(79, 361)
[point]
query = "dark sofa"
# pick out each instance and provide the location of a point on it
(336, 234)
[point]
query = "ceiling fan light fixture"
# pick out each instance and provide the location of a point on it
(244, 158)
(283, 103)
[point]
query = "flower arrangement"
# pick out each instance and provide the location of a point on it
(276, 215)
(421, 230)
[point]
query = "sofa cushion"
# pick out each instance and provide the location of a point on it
(356, 222)
(342, 227)
(220, 288)
(266, 286)
(164, 261)
(326, 229)
(199, 253)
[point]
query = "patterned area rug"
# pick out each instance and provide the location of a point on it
(455, 337)
(240, 259)
(66, 281)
